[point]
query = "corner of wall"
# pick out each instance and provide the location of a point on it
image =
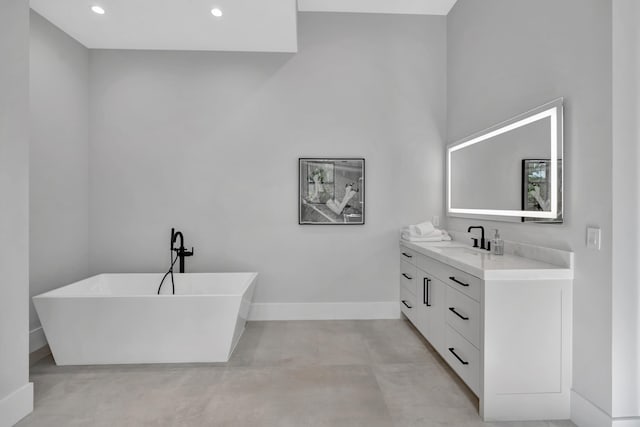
(16, 393)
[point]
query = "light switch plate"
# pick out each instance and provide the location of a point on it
(435, 220)
(593, 238)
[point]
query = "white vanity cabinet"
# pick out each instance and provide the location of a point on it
(503, 324)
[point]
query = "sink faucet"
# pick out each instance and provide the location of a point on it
(181, 251)
(482, 239)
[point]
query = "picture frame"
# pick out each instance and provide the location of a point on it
(331, 191)
(536, 175)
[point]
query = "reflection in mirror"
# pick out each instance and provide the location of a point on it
(512, 171)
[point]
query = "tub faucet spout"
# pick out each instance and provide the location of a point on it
(181, 251)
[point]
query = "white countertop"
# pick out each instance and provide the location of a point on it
(487, 266)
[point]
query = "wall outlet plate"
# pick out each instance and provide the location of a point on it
(593, 238)
(435, 220)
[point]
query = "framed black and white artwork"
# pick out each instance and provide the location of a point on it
(330, 191)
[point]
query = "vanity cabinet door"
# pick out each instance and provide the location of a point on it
(431, 312)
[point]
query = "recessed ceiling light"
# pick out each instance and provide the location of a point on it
(98, 10)
(216, 12)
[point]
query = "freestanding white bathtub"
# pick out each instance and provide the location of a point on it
(119, 318)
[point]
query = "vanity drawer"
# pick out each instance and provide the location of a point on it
(464, 358)
(408, 255)
(457, 279)
(463, 315)
(408, 305)
(464, 282)
(408, 275)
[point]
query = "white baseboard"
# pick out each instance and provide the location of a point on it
(37, 340)
(16, 405)
(325, 311)
(585, 414)
(626, 422)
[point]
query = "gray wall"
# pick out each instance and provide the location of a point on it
(59, 173)
(209, 142)
(14, 208)
(626, 208)
(508, 56)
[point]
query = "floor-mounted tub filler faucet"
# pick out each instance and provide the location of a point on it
(181, 254)
(484, 243)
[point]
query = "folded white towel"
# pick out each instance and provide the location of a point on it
(422, 229)
(427, 239)
(441, 238)
(410, 232)
(436, 236)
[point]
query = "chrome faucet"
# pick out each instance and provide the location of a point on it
(482, 239)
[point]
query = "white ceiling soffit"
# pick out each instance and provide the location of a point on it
(412, 7)
(246, 25)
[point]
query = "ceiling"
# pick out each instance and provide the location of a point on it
(246, 25)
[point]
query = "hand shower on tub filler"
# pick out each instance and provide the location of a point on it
(180, 254)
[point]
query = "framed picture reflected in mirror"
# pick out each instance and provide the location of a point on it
(536, 191)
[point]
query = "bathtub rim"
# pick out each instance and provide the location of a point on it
(251, 278)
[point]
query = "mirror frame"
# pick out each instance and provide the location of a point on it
(553, 110)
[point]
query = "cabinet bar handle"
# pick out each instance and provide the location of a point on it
(453, 310)
(407, 255)
(425, 291)
(458, 282)
(406, 305)
(407, 276)
(452, 350)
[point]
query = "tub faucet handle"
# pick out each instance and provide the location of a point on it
(184, 251)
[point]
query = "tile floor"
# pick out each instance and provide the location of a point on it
(299, 373)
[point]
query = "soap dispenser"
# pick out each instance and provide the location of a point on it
(498, 244)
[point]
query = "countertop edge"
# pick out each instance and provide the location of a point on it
(558, 273)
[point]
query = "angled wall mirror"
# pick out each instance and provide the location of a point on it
(512, 171)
